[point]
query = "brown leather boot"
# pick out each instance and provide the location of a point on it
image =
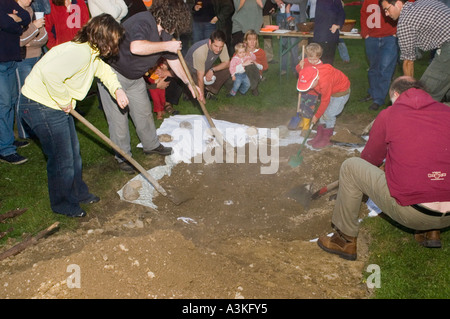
(339, 244)
(429, 239)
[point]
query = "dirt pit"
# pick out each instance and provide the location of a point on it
(239, 236)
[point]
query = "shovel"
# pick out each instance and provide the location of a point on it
(302, 193)
(176, 196)
(295, 120)
(216, 133)
(296, 160)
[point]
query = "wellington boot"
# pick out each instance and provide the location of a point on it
(340, 244)
(317, 137)
(324, 140)
(305, 126)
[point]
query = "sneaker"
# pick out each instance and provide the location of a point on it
(90, 200)
(126, 167)
(13, 159)
(20, 144)
(80, 213)
(161, 150)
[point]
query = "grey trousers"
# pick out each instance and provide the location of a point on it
(436, 77)
(140, 110)
(358, 177)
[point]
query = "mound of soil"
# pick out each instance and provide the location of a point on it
(240, 236)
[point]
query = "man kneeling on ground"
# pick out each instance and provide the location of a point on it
(413, 139)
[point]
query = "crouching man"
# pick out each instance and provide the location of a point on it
(413, 139)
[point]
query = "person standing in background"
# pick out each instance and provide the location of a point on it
(247, 16)
(269, 11)
(379, 34)
(329, 18)
(13, 18)
(64, 21)
(224, 10)
(203, 20)
(32, 41)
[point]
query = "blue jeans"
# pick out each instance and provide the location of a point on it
(23, 69)
(202, 30)
(56, 132)
(8, 100)
(382, 54)
(242, 83)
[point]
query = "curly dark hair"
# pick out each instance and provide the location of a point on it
(103, 33)
(174, 16)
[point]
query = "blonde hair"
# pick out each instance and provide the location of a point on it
(240, 46)
(251, 32)
(314, 50)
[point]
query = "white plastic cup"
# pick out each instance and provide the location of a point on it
(39, 15)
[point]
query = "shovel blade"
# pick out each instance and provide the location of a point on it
(295, 160)
(177, 196)
(301, 194)
(293, 123)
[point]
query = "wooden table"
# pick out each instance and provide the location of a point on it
(300, 36)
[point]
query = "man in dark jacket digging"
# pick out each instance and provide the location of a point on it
(413, 139)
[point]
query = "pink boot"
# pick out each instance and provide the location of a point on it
(318, 136)
(327, 133)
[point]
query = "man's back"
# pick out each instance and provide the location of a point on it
(413, 136)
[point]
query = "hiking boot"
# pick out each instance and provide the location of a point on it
(13, 159)
(126, 167)
(429, 239)
(340, 244)
(161, 150)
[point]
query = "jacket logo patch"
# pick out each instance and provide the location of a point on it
(437, 176)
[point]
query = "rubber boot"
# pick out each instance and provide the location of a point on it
(317, 137)
(305, 126)
(340, 244)
(324, 141)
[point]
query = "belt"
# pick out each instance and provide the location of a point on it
(295, 12)
(428, 212)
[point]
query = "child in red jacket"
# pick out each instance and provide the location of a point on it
(334, 88)
(158, 95)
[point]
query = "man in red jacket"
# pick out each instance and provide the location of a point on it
(413, 139)
(334, 88)
(379, 34)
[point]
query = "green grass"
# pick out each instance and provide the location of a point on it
(407, 270)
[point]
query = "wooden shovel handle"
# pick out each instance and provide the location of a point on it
(120, 151)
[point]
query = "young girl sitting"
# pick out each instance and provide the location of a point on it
(240, 60)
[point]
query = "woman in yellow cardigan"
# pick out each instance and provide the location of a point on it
(60, 78)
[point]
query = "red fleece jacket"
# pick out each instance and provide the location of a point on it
(61, 25)
(413, 135)
(331, 81)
